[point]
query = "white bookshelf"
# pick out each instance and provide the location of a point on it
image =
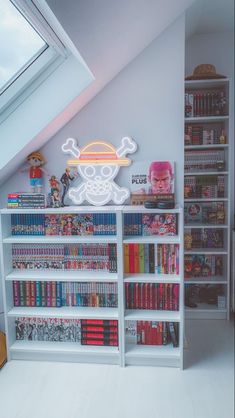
(146, 354)
(205, 310)
(70, 351)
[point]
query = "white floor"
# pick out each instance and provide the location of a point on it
(64, 390)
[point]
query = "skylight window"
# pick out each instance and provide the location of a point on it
(20, 44)
(30, 50)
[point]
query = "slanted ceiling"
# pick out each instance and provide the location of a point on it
(109, 34)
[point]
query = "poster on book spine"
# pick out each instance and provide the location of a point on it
(152, 180)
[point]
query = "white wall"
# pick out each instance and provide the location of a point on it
(218, 49)
(145, 101)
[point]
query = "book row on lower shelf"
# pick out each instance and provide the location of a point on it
(93, 224)
(205, 160)
(63, 224)
(207, 213)
(205, 296)
(85, 257)
(207, 187)
(209, 134)
(138, 258)
(203, 266)
(84, 331)
(151, 258)
(59, 294)
(152, 333)
(96, 332)
(203, 238)
(159, 296)
(205, 102)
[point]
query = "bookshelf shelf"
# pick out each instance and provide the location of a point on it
(207, 153)
(203, 146)
(217, 226)
(59, 240)
(149, 240)
(70, 276)
(64, 312)
(49, 277)
(155, 351)
(204, 173)
(151, 278)
(152, 315)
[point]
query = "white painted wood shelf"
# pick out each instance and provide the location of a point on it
(70, 351)
(223, 123)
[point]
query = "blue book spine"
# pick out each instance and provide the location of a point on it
(38, 294)
(58, 294)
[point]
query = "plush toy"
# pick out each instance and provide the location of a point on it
(36, 161)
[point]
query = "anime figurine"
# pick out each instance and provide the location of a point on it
(36, 160)
(54, 195)
(98, 164)
(65, 180)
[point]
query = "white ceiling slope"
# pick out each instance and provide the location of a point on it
(109, 34)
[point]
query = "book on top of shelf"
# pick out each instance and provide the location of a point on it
(152, 180)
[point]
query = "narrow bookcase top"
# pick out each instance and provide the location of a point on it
(206, 83)
(93, 209)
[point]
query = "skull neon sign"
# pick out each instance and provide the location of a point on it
(98, 164)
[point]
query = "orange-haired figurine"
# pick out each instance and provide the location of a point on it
(36, 160)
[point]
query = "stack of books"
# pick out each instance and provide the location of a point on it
(99, 332)
(26, 200)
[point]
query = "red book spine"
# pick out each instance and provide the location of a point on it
(16, 293)
(48, 294)
(27, 293)
(136, 304)
(53, 294)
(32, 293)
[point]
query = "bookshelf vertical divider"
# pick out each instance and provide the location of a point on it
(121, 295)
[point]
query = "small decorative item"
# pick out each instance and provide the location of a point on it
(66, 179)
(35, 160)
(54, 199)
(98, 164)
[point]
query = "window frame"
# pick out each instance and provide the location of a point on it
(42, 63)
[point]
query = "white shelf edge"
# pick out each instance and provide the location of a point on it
(142, 209)
(64, 312)
(65, 210)
(152, 239)
(61, 347)
(214, 199)
(151, 278)
(209, 146)
(219, 226)
(205, 173)
(206, 251)
(39, 275)
(206, 118)
(151, 315)
(59, 240)
(152, 351)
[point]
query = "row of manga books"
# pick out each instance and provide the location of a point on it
(159, 296)
(205, 103)
(196, 160)
(85, 331)
(152, 333)
(99, 332)
(203, 135)
(197, 265)
(204, 238)
(58, 294)
(48, 329)
(212, 213)
(150, 224)
(85, 257)
(204, 186)
(151, 258)
(63, 224)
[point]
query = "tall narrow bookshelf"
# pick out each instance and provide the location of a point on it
(63, 289)
(207, 199)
